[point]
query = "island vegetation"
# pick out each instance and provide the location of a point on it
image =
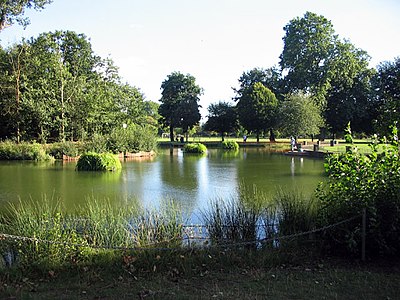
(58, 97)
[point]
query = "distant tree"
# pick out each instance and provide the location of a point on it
(387, 85)
(13, 11)
(300, 116)
(179, 102)
(222, 118)
(257, 109)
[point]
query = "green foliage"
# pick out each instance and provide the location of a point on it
(387, 85)
(257, 108)
(92, 161)
(133, 138)
(348, 136)
(358, 181)
(222, 118)
(300, 116)
(13, 11)
(195, 148)
(230, 145)
(23, 151)
(96, 143)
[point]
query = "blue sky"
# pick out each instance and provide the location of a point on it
(213, 40)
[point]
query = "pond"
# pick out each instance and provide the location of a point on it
(192, 181)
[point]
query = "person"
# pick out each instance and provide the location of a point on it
(245, 138)
(292, 143)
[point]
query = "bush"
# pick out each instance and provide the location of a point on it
(92, 161)
(359, 181)
(57, 150)
(23, 151)
(195, 148)
(230, 145)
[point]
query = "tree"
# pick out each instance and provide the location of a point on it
(222, 118)
(300, 116)
(334, 72)
(179, 102)
(387, 85)
(13, 11)
(257, 108)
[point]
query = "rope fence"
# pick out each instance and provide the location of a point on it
(188, 237)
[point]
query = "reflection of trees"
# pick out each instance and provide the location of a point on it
(270, 172)
(179, 170)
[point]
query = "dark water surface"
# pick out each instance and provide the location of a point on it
(192, 181)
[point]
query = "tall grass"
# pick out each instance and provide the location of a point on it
(93, 232)
(23, 151)
(231, 222)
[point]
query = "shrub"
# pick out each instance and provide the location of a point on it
(92, 161)
(23, 151)
(359, 181)
(230, 145)
(195, 148)
(57, 150)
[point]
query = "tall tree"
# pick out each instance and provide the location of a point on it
(333, 71)
(257, 109)
(179, 102)
(222, 117)
(13, 11)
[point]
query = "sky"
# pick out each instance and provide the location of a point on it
(213, 40)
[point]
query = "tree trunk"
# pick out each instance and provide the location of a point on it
(271, 135)
(171, 133)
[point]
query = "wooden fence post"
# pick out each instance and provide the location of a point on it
(363, 233)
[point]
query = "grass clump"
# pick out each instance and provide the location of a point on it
(230, 145)
(195, 148)
(23, 151)
(231, 222)
(92, 161)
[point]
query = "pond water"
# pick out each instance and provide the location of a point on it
(193, 181)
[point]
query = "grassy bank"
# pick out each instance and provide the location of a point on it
(319, 279)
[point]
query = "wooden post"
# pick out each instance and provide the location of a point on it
(363, 233)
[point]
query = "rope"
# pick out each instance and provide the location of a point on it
(4, 236)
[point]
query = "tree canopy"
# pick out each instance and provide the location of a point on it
(54, 87)
(222, 117)
(257, 108)
(13, 11)
(179, 102)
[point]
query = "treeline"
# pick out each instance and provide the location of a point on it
(55, 88)
(321, 84)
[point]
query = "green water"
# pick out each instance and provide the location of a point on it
(190, 180)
